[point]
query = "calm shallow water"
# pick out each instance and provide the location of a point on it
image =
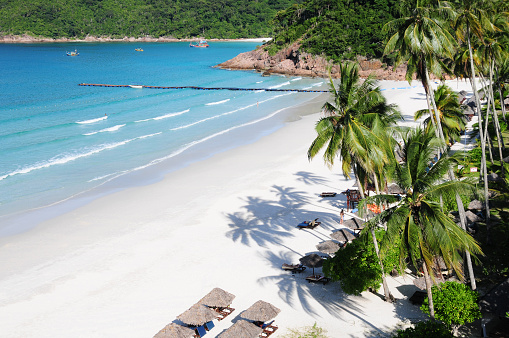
(58, 139)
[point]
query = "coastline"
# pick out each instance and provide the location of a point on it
(130, 262)
(33, 39)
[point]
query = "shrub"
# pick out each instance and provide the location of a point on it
(425, 329)
(455, 304)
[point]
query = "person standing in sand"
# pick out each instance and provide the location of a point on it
(342, 216)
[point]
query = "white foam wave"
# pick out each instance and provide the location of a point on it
(280, 85)
(218, 102)
(259, 91)
(259, 81)
(297, 79)
(228, 113)
(67, 157)
(114, 128)
(145, 120)
(170, 115)
(93, 120)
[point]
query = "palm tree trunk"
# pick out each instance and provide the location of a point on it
(500, 141)
(388, 296)
(435, 109)
(483, 142)
(427, 279)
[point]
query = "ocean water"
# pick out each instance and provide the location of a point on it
(60, 141)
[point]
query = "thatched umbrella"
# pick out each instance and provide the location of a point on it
(342, 235)
(354, 223)
(393, 188)
(260, 312)
(475, 205)
(173, 330)
(242, 328)
(312, 261)
(217, 298)
(471, 217)
(197, 315)
(328, 247)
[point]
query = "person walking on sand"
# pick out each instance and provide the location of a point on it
(342, 216)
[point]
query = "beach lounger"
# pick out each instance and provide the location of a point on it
(200, 331)
(318, 279)
(293, 267)
(223, 312)
(309, 224)
(209, 326)
(328, 194)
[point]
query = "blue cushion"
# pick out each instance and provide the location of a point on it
(209, 325)
(201, 331)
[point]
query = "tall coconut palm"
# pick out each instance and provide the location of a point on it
(470, 19)
(421, 39)
(351, 128)
(418, 220)
(452, 118)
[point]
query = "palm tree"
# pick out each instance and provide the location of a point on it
(470, 19)
(420, 39)
(451, 116)
(418, 220)
(352, 127)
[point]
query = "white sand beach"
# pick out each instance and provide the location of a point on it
(127, 264)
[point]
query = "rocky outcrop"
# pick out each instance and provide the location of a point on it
(292, 61)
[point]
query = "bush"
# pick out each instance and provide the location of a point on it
(454, 303)
(475, 155)
(425, 329)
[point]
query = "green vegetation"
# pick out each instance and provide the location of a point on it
(455, 304)
(156, 18)
(338, 29)
(307, 332)
(425, 329)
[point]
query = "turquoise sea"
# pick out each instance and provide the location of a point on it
(62, 145)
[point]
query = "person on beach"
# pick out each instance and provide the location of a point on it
(342, 216)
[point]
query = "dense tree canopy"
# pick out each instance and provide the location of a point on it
(119, 18)
(336, 28)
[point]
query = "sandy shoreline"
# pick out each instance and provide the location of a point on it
(128, 263)
(34, 39)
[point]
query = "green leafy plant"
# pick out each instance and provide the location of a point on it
(425, 329)
(307, 332)
(455, 304)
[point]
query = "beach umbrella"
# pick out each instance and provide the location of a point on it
(312, 261)
(342, 235)
(242, 328)
(471, 217)
(475, 205)
(393, 188)
(354, 224)
(260, 312)
(217, 298)
(328, 247)
(174, 330)
(197, 315)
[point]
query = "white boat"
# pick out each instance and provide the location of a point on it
(136, 86)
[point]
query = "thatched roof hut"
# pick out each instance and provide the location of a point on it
(471, 217)
(260, 312)
(476, 205)
(343, 236)
(243, 329)
(354, 223)
(328, 247)
(174, 330)
(393, 188)
(197, 315)
(217, 298)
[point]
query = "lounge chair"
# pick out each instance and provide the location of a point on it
(223, 312)
(318, 279)
(268, 329)
(200, 331)
(328, 194)
(309, 224)
(209, 325)
(293, 267)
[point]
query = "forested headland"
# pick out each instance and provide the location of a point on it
(222, 19)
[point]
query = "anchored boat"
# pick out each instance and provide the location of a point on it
(75, 53)
(201, 44)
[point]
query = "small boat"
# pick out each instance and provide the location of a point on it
(75, 53)
(201, 44)
(139, 49)
(136, 86)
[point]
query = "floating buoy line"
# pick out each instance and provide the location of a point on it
(206, 88)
